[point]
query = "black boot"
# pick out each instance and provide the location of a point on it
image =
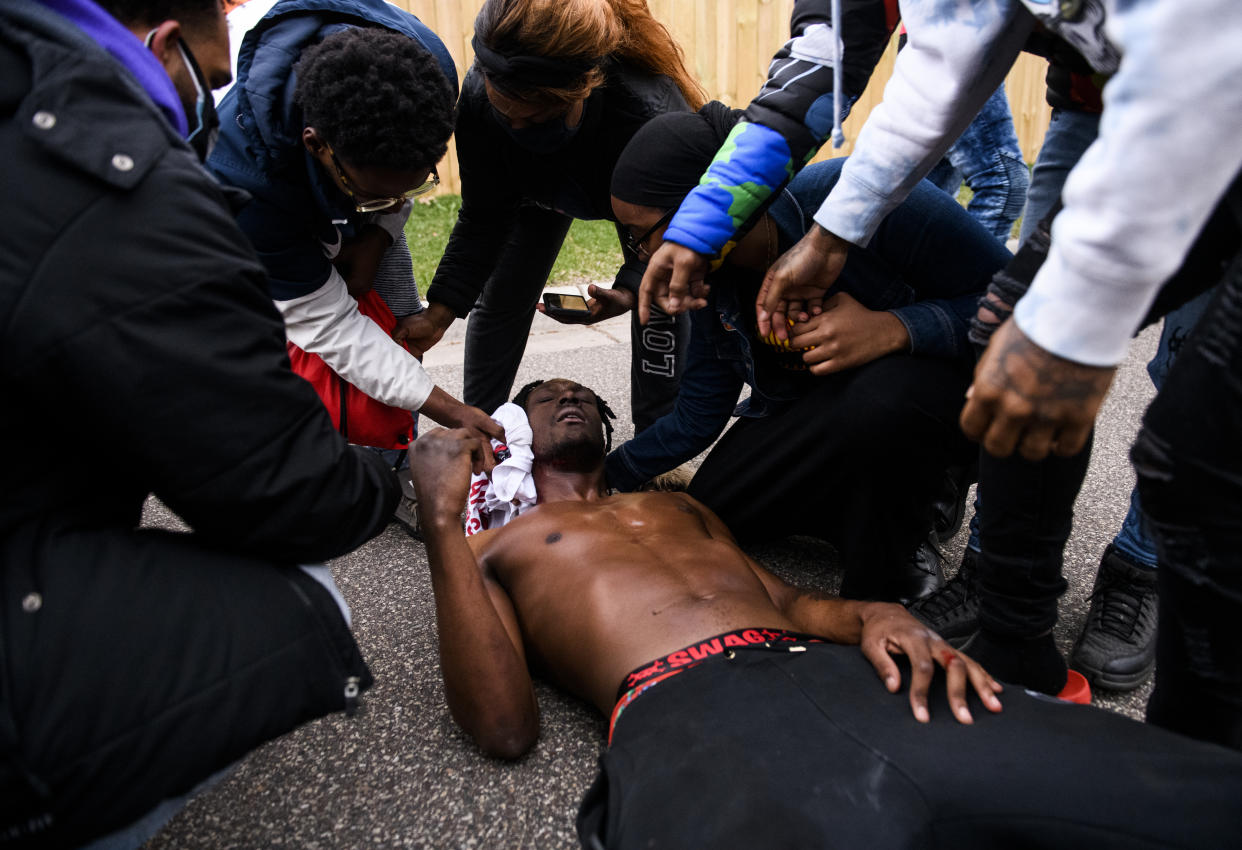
(953, 610)
(1117, 648)
(921, 573)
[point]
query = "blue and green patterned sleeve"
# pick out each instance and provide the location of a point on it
(786, 123)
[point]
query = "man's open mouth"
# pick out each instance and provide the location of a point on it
(571, 415)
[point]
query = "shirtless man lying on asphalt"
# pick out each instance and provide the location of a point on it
(749, 719)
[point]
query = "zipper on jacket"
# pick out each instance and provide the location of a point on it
(342, 388)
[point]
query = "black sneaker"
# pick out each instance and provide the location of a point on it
(1117, 649)
(953, 610)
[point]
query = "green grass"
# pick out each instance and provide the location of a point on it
(590, 252)
(427, 231)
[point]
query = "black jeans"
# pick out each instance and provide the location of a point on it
(1026, 509)
(779, 749)
(500, 323)
(857, 461)
(1188, 457)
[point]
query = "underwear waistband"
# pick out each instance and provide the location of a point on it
(643, 678)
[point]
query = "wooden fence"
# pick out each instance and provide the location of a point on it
(728, 44)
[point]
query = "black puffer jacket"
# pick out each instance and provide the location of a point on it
(140, 353)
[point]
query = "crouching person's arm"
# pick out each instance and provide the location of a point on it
(486, 681)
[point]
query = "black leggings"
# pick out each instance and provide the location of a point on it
(778, 749)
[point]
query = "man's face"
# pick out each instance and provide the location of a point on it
(644, 226)
(565, 423)
(209, 42)
(371, 188)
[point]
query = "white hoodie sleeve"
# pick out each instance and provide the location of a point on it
(327, 322)
(955, 57)
(1170, 144)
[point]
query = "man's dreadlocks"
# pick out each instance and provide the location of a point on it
(605, 412)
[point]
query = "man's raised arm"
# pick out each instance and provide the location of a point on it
(486, 681)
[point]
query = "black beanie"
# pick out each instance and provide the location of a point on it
(669, 154)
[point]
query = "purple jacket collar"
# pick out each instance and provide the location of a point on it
(129, 51)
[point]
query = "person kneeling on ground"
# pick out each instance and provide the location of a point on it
(749, 717)
(145, 356)
(340, 113)
(864, 401)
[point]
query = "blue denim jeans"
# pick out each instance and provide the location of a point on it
(1070, 133)
(988, 158)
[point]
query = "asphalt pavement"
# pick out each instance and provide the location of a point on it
(400, 774)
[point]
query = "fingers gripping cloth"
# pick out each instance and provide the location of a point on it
(511, 489)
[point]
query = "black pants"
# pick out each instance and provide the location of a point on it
(1026, 509)
(1188, 457)
(857, 461)
(133, 665)
(500, 323)
(775, 749)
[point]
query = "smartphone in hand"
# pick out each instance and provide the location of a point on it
(565, 306)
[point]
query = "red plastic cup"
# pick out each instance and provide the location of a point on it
(1076, 689)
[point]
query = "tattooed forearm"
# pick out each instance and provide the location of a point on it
(1028, 399)
(1023, 368)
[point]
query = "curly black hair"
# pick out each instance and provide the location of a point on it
(605, 412)
(378, 97)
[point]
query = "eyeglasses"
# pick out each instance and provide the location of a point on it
(377, 204)
(636, 244)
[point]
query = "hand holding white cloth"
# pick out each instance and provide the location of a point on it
(511, 490)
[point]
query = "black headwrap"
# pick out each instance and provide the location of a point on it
(669, 154)
(531, 72)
